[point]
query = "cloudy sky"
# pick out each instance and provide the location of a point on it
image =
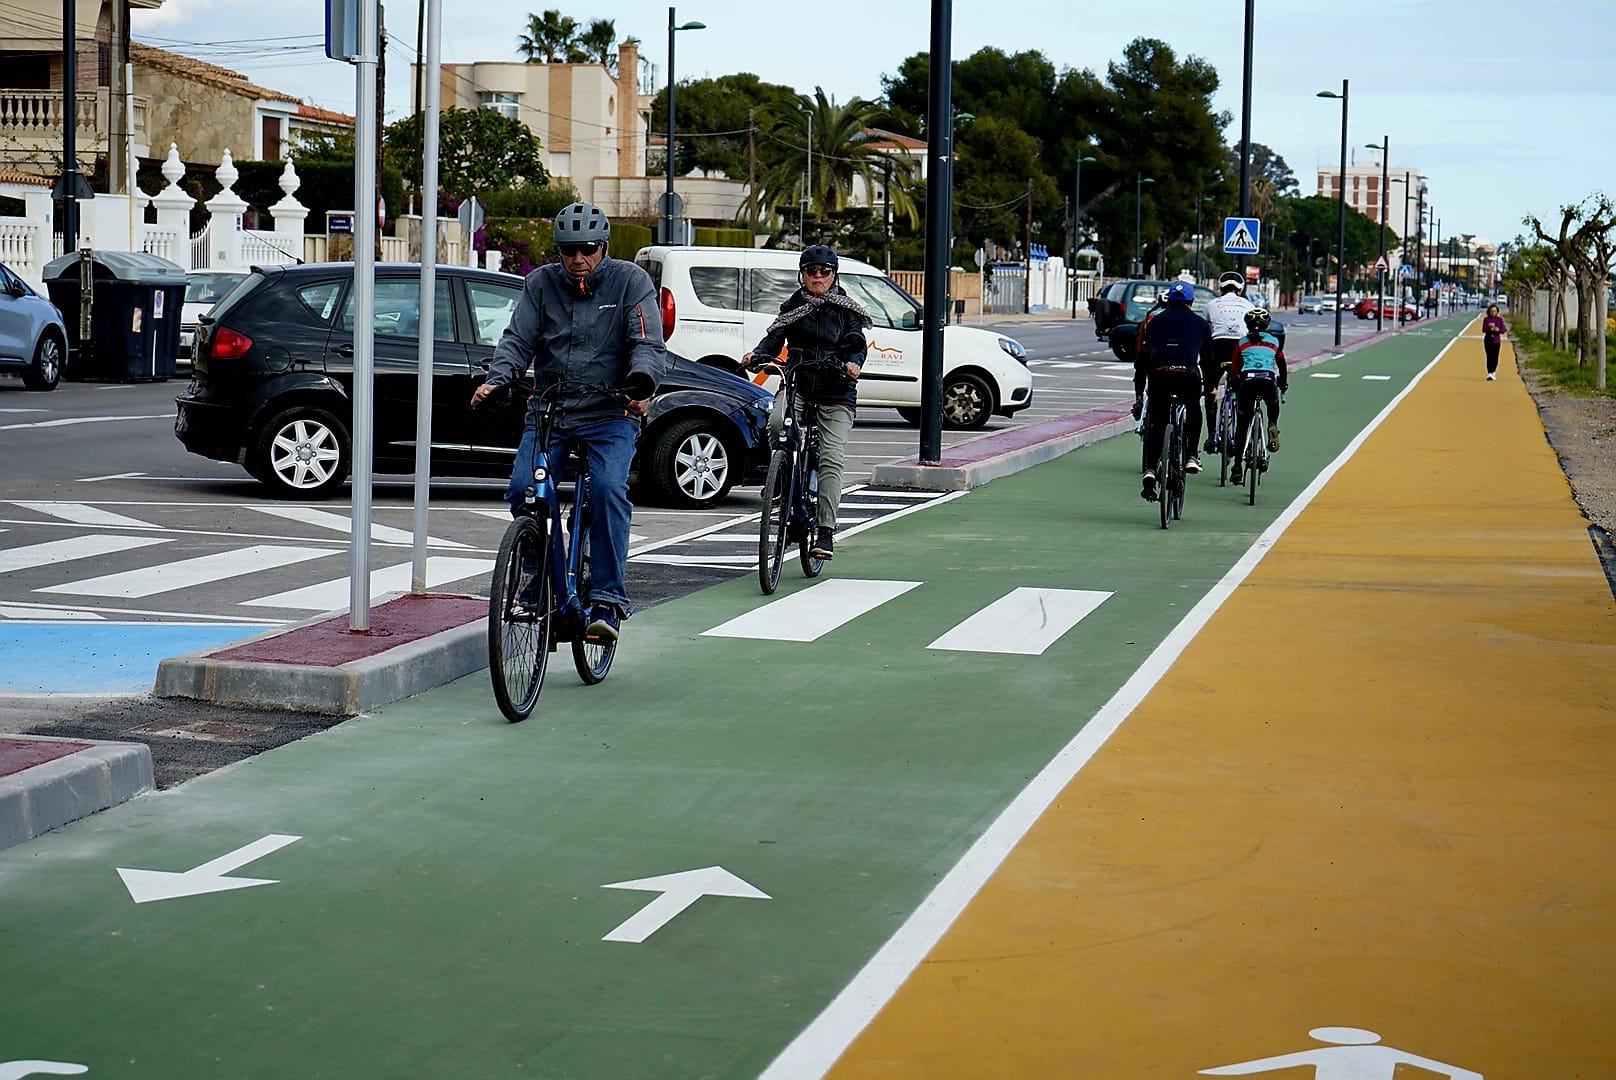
(1508, 108)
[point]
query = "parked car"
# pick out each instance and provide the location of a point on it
(1327, 304)
(1310, 305)
(1120, 307)
(717, 302)
(33, 336)
(203, 289)
(1369, 306)
(272, 379)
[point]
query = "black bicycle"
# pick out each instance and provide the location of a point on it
(541, 590)
(1227, 431)
(791, 490)
(1170, 466)
(1256, 449)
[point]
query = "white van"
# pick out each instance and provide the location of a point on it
(717, 302)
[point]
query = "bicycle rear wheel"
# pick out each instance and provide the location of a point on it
(521, 611)
(593, 659)
(1164, 468)
(1228, 428)
(775, 521)
(1177, 485)
(1255, 450)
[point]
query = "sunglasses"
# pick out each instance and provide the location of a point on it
(569, 251)
(819, 271)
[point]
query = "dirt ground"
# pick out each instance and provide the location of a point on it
(1582, 431)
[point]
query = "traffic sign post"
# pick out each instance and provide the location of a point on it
(470, 216)
(1242, 236)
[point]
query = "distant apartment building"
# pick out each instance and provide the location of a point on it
(1363, 190)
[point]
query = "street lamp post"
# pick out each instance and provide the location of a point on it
(1139, 182)
(808, 182)
(667, 167)
(1245, 116)
(1077, 224)
(1341, 212)
(1408, 196)
(1385, 148)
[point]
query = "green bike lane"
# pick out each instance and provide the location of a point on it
(437, 891)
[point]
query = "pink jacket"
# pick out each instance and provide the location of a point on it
(1494, 328)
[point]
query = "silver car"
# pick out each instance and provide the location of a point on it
(33, 337)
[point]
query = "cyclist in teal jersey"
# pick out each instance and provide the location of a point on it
(1258, 370)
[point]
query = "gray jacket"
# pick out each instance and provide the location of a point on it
(595, 331)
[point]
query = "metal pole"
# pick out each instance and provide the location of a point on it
(939, 213)
(1380, 297)
(428, 298)
(70, 153)
(667, 167)
(808, 185)
(364, 389)
(1245, 116)
(1198, 274)
(1341, 218)
(1138, 188)
(886, 214)
(1077, 230)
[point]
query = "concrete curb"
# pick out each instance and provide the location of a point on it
(43, 797)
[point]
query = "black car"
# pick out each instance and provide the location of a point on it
(272, 382)
(1122, 305)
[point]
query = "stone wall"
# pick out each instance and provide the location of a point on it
(203, 121)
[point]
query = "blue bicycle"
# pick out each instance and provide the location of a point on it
(540, 595)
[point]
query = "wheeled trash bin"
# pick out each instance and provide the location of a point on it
(134, 304)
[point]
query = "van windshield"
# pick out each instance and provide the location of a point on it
(887, 304)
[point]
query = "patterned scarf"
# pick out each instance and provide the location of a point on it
(835, 298)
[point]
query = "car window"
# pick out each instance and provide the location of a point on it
(210, 288)
(770, 289)
(717, 286)
(398, 310)
(320, 298)
(652, 267)
(1203, 297)
(884, 301)
(491, 308)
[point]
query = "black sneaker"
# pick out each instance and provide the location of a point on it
(824, 545)
(1237, 476)
(1148, 492)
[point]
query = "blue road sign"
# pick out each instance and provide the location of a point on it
(1241, 235)
(342, 29)
(1405, 271)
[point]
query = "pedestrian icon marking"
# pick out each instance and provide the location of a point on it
(1241, 235)
(1353, 1054)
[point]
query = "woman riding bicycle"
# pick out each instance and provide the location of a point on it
(822, 329)
(1257, 370)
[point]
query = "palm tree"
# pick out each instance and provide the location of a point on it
(840, 152)
(598, 45)
(548, 36)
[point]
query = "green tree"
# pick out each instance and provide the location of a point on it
(549, 37)
(713, 121)
(995, 160)
(596, 44)
(478, 150)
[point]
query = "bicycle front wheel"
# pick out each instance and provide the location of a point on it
(1255, 447)
(775, 522)
(1180, 429)
(811, 567)
(593, 659)
(521, 609)
(1228, 428)
(1164, 469)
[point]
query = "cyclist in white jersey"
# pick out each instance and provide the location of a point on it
(1227, 316)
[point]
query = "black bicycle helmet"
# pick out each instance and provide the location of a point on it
(817, 255)
(582, 223)
(1257, 320)
(1231, 279)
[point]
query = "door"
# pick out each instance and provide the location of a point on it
(15, 320)
(891, 374)
(495, 430)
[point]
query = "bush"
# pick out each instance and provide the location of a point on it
(627, 239)
(529, 200)
(524, 242)
(1560, 367)
(721, 237)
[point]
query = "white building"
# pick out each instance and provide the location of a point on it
(1363, 190)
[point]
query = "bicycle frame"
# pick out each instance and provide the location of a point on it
(542, 501)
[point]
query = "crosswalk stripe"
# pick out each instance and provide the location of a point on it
(78, 547)
(38, 615)
(85, 514)
(1325, 375)
(1026, 621)
(333, 595)
(716, 561)
(814, 612)
(325, 519)
(185, 573)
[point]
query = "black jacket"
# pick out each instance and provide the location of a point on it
(830, 330)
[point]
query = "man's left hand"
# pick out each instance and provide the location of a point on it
(639, 408)
(852, 369)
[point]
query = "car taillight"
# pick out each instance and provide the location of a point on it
(228, 344)
(669, 314)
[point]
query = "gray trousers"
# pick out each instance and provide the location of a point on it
(835, 425)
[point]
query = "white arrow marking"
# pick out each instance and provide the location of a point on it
(16, 1070)
(678, 891)
(147, 885)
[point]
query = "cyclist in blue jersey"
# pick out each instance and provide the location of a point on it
(1168, 364)
(1257, 370)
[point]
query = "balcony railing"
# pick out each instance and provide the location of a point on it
(40, 116)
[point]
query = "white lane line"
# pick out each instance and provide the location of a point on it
(43, 615)
(1377, 378)
(341, 523)
(1103, 375)
(73, 420)
(333, 595)
(85, 514)
(185, 573)
(79, 547)
(1324, 375)
(723, 562)
(1025, 622)
(817, 1046)
(814, 612)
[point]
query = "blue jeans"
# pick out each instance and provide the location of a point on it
(608, 448)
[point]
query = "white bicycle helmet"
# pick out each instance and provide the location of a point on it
(1231, 279)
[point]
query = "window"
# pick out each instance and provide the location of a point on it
(884, 301)
(320, 298)
(717, 286)
(507, 105)
(398, 310)
(491, 308)
(771, 288)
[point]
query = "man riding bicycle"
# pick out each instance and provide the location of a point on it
(1170, 363)
(1227, 316)
(819, 322)
(1258, 370)
(590, 321)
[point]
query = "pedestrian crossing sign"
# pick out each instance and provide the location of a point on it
(1241, 235)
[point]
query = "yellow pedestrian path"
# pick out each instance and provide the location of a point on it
(1361, 829)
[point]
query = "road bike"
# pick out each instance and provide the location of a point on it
(1227, 430)
(791, 490)
(541, 591)
(1170, 466)
(1256, 449)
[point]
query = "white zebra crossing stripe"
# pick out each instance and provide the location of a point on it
(78, 547)
(1325, 375)
(187, 573)
(325, 519)
(85, 514)
(814, 612)
(333, 595)
(1025, 622)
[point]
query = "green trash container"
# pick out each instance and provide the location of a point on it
(134, 321)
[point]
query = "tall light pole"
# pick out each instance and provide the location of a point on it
(939, 218)
(1245, 116)
(667, 167)
(808, 181)
(1341, 211)
(1408, 196)
(1139, 182)
(1077, 223)
(1385, 148)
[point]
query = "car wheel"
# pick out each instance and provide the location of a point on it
(691, 466)
(303, 453)
(46, 370)
(967, 401)
(910, 416)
